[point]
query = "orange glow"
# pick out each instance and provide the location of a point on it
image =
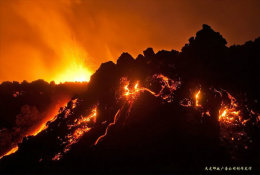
(38, 130)
(197, 96)
(228, 115)
(74, 73)
(127, 90)
(133, 91)
(166, 83)
(79, 132)
(82, 127)
(222, 114)
(136, 86)
(51, 116)
(12, 151)
(89, 118)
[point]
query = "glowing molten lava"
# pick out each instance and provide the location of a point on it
(79, 128)
(197, 97)
(82, 127)
(229, 113)
(168, 86)
(108, 127)
(133, 91)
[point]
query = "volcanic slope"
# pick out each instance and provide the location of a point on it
(165, 112)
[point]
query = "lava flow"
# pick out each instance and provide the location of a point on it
(229, 113)
(197, 97)
(79, 127)
(108, 127)
(131, 93)
(168, 86)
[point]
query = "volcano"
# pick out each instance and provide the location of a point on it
(164, 112)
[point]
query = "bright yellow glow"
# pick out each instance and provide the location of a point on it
(74, 68)
(74, 73)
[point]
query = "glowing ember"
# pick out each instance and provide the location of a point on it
(57, 156)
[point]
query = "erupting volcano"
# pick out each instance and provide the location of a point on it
(148, 114)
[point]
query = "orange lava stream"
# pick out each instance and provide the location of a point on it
(166, 82)
(197, 96)
(132, 93)
(108, 127)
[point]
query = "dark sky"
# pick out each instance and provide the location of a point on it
(67, 40)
